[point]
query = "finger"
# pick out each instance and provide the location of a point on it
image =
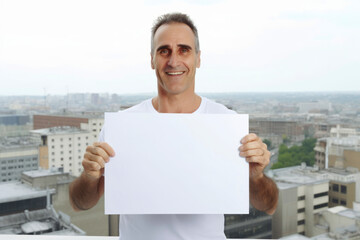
(108, 149)
(252, 152)
(90, 165)
(252, 145)
(98, 151)
(248, 138)
(95, 158)
(258, 159)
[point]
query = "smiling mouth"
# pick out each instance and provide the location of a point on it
(174, 73)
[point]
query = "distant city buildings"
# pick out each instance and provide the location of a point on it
(17, 154)
(276, 130)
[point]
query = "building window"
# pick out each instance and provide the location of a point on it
(79, 144)
(320, 194)
(78, 138)
(335, 187)
(52, 146)
(61, 139)
(343, 189)
(70, 151)
(69, 139)
(343, 202)
(301, 198)
(87, 138)
(52, 140)
(61, 152)
(61, 146)
(301, 222)
(320, 206)
(53, 153)
(62, 159)
(69, 145)
(301, 210)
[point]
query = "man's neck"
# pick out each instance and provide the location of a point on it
(176, 103)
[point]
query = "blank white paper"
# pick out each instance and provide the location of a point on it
(176, 164)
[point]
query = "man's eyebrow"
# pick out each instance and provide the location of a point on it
(168, 47)
(163, 47)
(184, 46)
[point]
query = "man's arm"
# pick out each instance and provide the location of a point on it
(86, 190)
(263, 190)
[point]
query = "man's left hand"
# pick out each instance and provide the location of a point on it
(256, 154)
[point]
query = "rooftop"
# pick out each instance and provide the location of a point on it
(59, 130)
(19, 191)
(42, 221)
(43, 172)
(296, 176)
(8, 143)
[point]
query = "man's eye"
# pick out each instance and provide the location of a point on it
(184, 50)
(164, 51)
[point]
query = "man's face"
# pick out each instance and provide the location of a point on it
(175, 59)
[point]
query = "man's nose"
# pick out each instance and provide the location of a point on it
(173, 60)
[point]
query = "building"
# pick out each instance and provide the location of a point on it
(256, 225)
(26, 210)
(340, 132)
(276, 130)
(17, 154)
(63, 147)
(91, 122)
(344, 186)
(315, 107)
(93, 221)
(301, 195)
(334, 224)
(338, 152)
(14, 119)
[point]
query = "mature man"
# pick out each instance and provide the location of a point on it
(175, 55)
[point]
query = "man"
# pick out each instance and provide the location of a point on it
(175, 55)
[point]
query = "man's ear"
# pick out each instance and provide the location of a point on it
(198, 59)
(152, 63)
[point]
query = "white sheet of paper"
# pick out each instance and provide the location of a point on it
(176, 164)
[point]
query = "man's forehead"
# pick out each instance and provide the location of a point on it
(167, 33)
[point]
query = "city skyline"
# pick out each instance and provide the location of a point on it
(258, 46)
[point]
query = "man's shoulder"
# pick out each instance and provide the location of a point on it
(216, 108)
(142, 107)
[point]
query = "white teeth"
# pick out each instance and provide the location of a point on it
(175, 73)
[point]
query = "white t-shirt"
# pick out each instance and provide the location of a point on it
(173, 226)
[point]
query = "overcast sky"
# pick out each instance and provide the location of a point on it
(56, 47)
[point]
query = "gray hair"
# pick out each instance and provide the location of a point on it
(174, 18)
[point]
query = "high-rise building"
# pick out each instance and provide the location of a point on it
(301, 195)
(63, 147)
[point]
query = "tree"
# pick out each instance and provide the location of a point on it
(295, 155)
(268, 143)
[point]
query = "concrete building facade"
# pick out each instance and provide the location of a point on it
(63, 147)
(301, 195)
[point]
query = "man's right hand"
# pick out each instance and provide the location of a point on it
(95, 158)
